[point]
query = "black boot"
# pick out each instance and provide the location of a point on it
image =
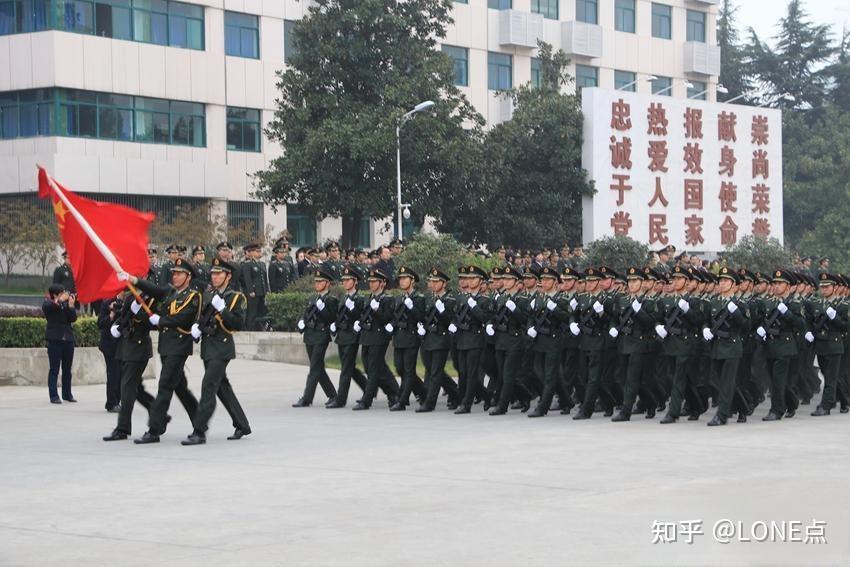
(398, 406)
(537, 412)
(424, 409)
(148, 437)
(463, 409)
(499, 411)
(669, 419)
(820, 411)
(622, 416)
(196, 438)
(115, 436)
(301, 403)
(772, 416)
(238, 434)
(359, 406)
(717, 420)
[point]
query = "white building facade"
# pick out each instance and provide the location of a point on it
(156, 103)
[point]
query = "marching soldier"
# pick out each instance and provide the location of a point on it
(472, 312)
(408, 313)
(202, 269)
(315, 325)
(254, 285)
(572, 364)
(347, 339)
(508, 326)
(179, 307)
(591, 317)
(436, 341)
(827, 321)
(223, 315)
(375, 328)
(281, 269)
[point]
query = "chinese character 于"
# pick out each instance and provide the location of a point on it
(693, 194)
(693, 158)
(621, 116)
(761, 166)
(621, 153)
(657, 152)
(761, 199)
(728, 232)
(621, 187)
(658, 195)
(726, 122)
(760, 130)
(728, 196)
(658, 228)
(761, 227)
(727, 161)
(656, 116)
(621, 222)
(693, 232)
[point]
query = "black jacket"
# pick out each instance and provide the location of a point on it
(59, 318)
(104, 323)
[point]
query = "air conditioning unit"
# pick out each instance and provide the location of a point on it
(521, 29)
(580, 38)
(702, 58)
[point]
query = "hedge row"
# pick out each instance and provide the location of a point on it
(28, 332)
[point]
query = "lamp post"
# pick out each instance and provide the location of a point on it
(401, 207)
(649, 79)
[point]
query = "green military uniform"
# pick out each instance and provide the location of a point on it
(374, 341)
(223, 314)
(436, 344)
(510, 315)
(408, 314)
(281, 274)
(591, 319)
(546, 323)
(315, 325)
(178, 310)
(254, 286)
(827, 322)
(63, 276)
(348, 341)
(472, 311)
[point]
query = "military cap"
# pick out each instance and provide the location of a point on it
(828, 279)
(219, 265)
(500, 249)
(606, 272)
(782, 276)
(405, 271)
(224, 245)
(496, 273)
(279, 248)
(635, 273)
(182, 265)
(322, 273)
(251, 246)
(680, 272)
(570, 274)
(744, 274)
(377, 275)
(473, 271)
(197, 249)
(530, 272)
(592, 274)
(396, 242)
(331, 246)
(171, 248)
(181, 248)
(511, 272)
(151, 250)
(729, 274)
(824, 259)
(547, 272)
(619, 277)
(349, 272)
(437, 274)
(650, 274)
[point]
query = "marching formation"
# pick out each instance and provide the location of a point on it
(679, 339)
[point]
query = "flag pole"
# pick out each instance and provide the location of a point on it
(99, 244)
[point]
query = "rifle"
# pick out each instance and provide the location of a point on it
(716, 324)
(823, 319)
(626, 317)
(207, 320)
(586, 322)
(671, 323)
(542, 322)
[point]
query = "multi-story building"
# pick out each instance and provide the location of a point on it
(157, 103)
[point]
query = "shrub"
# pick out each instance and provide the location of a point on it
(286, 308)
(616, 252)
(28, 332)
(758, 254)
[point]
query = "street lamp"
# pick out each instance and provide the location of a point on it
(404, 210)
(649, 79)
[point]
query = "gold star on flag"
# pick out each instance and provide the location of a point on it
(60, 211)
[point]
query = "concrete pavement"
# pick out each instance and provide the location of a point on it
(318, 487)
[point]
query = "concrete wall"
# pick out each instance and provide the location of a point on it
(29, 366)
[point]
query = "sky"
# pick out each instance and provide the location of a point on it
(764, 15)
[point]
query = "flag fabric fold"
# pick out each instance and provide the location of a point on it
(92, 232)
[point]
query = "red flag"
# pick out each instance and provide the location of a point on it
(122, 232)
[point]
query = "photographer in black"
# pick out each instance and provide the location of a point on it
(60, 311)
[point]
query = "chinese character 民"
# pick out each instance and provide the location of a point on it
(658, 228)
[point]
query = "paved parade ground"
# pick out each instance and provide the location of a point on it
(334, 487)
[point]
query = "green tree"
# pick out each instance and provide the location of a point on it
(796, 65)
(758, 254)
(360, 65)
(13, 235)
(734, 71)
(533, 180)
(190, 225)
(840, 75)
(616, 252)
(42, 237)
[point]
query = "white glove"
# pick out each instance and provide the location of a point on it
(471, 302)
(661, 331)
(154, 319)
(218, 303)
(761, 332)
(533, 303)
(532, 332)
(598, 307)
(440, 306)
(574, 329)
(333, 327)
(356, 326)
(113, 330)
(551, 305)
(684, 305)
(123, 276)
(732, 307)
(388, 327)
(374, 304)
(809, 336)
(573, 304)
(320, 305)
(349, 304)
(613, 332)
(452, 328)
(135, 307)
(408, 303)
(510, 305)
(830, 312)
(420, 329)
(196, 331)
(707, 334)
(782, 307)
(490, 330)
(636, 305)
(301, 325)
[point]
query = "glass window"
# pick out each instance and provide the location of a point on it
(243, 129)
(301, 226)
(624, 16)
(499, 4)
(460, 55)
(662, 21)
(150, 21)
(112, 18)
(32, 15)
(78, 16)
(499, 71)
(185, 25)
(697, 91)
(288, 40)
(549, 8)
(535, 72)
(662, 86)
(586, 76)
(241, 35)
(623, 78)
(696, 26)
(7, 17)
(587, 11)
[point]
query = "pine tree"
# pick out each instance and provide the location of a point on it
(734, 71)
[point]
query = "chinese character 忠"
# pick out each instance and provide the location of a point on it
(621, 116)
